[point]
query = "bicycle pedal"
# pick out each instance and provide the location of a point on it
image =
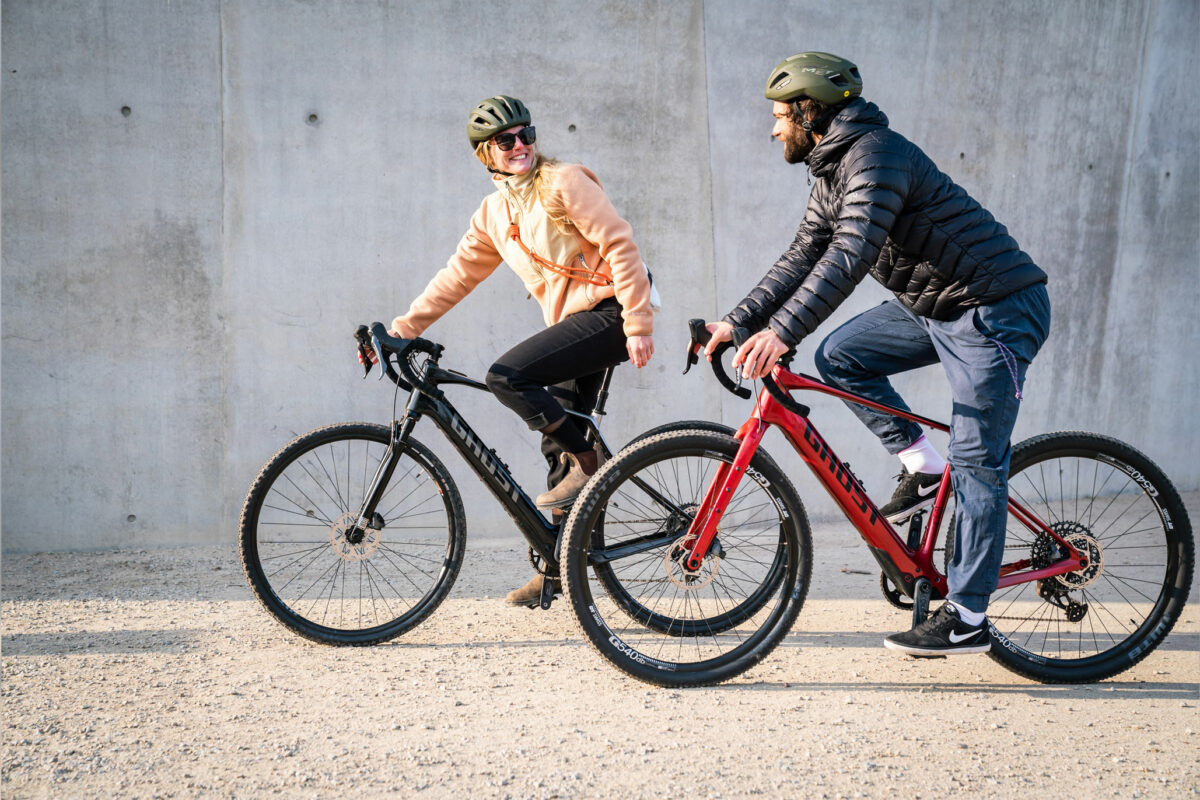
(916, 525)
(921, 595)
(547, 594)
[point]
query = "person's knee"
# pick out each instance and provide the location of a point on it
(499, 379)
(828, 360)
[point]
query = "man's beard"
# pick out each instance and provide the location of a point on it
(798, 146)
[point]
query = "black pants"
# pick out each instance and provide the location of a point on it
(560, 367)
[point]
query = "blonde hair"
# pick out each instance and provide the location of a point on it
(543, 175)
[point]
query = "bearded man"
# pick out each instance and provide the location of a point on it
(965, 295)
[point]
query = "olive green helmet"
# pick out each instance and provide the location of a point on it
(495, 115)
(822, 77)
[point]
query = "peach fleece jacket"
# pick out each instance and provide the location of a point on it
(604, 244)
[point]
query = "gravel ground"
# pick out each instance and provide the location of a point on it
(157, 674)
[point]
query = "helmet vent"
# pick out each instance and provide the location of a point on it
(838, 80)
(780, 79)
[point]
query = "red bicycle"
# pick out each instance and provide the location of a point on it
(688, 556)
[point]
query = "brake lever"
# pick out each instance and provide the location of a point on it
(364, 356)
(699, 337)
(379, 353)
(738, 337)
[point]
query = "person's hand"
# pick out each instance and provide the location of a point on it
(758, 354)
(721, 332)
(640, 349)
(371, 350)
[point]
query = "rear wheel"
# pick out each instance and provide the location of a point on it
(627, 582)
(1114, 505)
(321, 575)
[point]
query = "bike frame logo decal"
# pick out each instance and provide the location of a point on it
(840, 473)
(485, 457)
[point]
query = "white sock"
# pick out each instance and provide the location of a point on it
(920, 456)
(967, 615)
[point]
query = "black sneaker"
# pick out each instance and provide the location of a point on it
(916, 491)
(942, 634)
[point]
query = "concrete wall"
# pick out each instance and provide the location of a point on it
(202, 199)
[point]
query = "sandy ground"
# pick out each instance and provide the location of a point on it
(157, 674)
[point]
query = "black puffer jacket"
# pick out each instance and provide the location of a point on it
(881, 206)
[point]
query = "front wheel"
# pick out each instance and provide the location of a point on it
(627, 581)
(1116, 506)
(320, 574)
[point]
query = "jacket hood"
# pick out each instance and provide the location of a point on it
(856, 120)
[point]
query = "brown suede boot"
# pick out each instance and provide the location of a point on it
(530, 595)
(564, 494)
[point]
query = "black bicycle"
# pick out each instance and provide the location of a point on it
(354, 533)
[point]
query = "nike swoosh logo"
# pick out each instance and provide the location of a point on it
(955, 638)
(925, 491)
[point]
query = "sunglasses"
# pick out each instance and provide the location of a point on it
(507, 141)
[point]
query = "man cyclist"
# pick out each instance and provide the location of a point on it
(966, 296)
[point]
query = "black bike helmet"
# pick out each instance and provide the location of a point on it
(495, 115)
(822, 77)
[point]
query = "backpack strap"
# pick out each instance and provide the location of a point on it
(578, 273)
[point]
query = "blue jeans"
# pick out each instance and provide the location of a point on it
(985, 352)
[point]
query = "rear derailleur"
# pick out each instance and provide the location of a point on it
(1051, 591)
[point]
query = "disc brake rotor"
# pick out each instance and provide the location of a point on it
(675, 562)
(1086, 544)
(343, 533)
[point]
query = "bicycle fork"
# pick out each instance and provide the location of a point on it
(383, 476)
(720, 491)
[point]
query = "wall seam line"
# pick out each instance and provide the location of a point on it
(712, 207)
(224, 393)
(1150, 10)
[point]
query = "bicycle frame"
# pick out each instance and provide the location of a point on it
(903, 564)
(541, 534)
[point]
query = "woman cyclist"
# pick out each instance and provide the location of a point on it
(552, 223)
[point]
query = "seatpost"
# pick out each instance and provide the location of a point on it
(602, 396)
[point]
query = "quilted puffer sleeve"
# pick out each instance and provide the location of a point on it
(875, 184)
